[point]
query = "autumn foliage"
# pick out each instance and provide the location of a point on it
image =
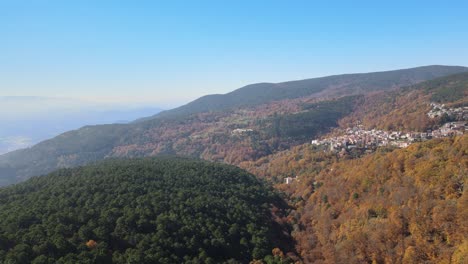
(91, 244)
(406, 108)
(402, 206)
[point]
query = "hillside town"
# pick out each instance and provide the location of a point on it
(358, 137)
(439, 110)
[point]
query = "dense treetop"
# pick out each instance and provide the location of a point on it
(162, 210)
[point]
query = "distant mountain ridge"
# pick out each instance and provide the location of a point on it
(284, 118)
(335, 85)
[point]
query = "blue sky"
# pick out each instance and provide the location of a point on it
(170, 52)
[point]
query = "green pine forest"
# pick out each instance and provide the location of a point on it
(164, 210)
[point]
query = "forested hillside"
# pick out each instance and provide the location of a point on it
(162, 210)
(392, 206)
(406, 109)
(209, 136)
(356, 205)
(296, 113)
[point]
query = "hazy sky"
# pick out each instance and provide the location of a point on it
(169, 52)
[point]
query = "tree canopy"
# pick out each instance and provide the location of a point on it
(391, 206)
(165, 210)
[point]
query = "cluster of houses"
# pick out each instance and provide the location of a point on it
(438, 110)
(241, 131)
(289, 180)
(358, 137)
(369, 140)
(450, 129)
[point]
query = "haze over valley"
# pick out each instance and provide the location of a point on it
(29, 120)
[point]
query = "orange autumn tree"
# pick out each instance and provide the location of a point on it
(91, 244)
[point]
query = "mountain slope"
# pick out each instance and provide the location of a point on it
(406, 109)
(338, 85)
(406, 206)
(391, 206)
(162, 210)
(231, 136)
